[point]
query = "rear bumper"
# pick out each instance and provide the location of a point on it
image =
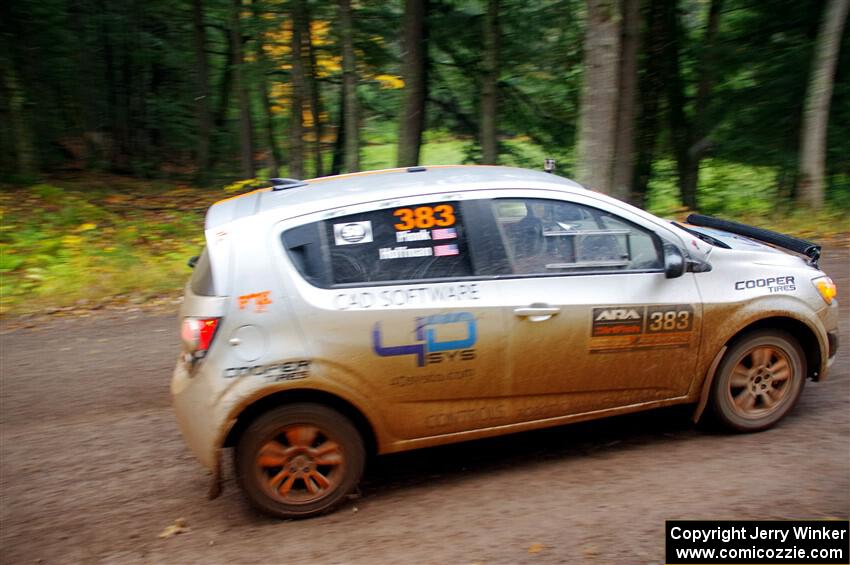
(191, 400)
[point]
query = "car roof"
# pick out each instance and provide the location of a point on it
(315, 195)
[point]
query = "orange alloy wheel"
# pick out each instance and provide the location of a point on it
(299, 460)
(758, 381)
(301, 464)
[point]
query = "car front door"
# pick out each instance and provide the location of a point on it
(593, 322)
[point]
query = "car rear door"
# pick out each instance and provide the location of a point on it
(394, 311)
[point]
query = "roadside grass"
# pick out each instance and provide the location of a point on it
(79, 242)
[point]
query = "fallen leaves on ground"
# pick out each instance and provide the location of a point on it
(178, 527)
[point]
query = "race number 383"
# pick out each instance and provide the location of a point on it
(670, 318)
(424, 217)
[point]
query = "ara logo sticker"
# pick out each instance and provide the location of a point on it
(441, 337)
(617, 321)
(610, 314)
(353, 232)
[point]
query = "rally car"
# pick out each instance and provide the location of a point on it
(377, 312)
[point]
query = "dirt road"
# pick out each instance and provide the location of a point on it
(92, 469)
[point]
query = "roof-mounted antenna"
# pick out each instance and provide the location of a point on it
(549, 165)
(283, 184)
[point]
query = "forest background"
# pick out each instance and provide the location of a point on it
(122, 120)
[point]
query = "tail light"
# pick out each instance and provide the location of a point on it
(197, 335)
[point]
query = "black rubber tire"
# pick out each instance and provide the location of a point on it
(736, 418)
(331, 424)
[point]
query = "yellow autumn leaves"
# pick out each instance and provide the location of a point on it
(277, 49)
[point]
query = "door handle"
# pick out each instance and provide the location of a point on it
(537, 313)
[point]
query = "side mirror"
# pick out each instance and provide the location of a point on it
(674, 261)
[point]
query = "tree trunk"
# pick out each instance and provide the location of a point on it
(810, 191)
(598, 114)
(110, 82)
(274, 157)
(296, 124)
(348, 123)
(123, 83)
(698, 143)
(225, 88)
(85, 90)
(339, 156)
(246, 126)
(680, 128)
(489, 83)
(8, 137)
(315, 95)
(415, 82)
(624, 152)
(202, 99)
(650, 91)
(21, 136)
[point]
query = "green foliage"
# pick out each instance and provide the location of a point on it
(65, 242)
(113, 86)
(745, 193)
(111, 238)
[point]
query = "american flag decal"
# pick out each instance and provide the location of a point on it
(444, 233)
(444, 250)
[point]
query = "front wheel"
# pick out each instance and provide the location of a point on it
(758, 381)
(299, 460)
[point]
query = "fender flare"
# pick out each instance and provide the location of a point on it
(706, 384)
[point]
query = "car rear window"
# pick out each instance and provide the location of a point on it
(404, 243)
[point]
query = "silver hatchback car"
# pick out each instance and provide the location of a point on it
(390, 310)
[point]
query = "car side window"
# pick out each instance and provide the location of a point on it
(403, 243)
(553, 237)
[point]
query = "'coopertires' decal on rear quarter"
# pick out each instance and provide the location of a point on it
(288, 371)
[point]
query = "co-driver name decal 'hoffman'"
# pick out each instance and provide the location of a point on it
(772, 284)
(623, 328)
(403, 252)
(406, 296)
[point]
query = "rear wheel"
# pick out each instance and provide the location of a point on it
(758, 381)
(299, 460)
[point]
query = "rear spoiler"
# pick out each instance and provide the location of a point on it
(801, 246)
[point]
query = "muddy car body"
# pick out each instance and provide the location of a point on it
(385, 311)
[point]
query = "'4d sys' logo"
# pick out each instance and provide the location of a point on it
(428, 348)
